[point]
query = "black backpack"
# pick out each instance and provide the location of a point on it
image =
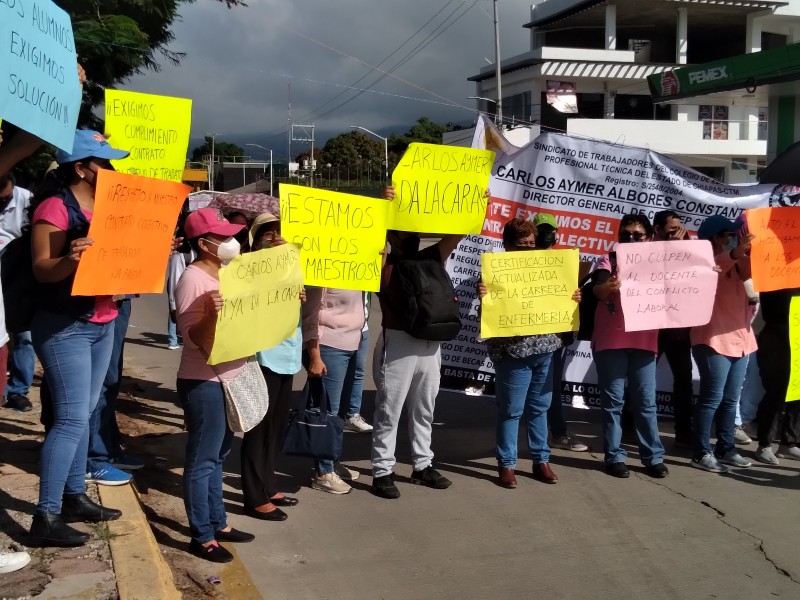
(422, 297)
(588, 305)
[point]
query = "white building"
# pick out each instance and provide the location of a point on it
(585, 75)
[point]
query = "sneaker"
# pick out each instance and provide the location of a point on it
(565, 442)
(384, 487)
(734, 459)
(708, 462)
(740, 437)
(127, 462)
(173, 347)
(766, 455)
(357, 424)
(431, 478)
(792, 452)
(345, 473)
(331, 483)
(109, 475)
(13, 561)
(18, 402)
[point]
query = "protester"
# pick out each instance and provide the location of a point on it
(406, 369)
(73, 338)
(350, 409)
(208, 443)
(332, 324)
(721, 349)
(523, 381)
(675, 342)
(261, 446)
(175, 267)
(239, 218)
(625, 355)
(774, 363)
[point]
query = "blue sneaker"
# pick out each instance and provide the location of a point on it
(109, 475)
(127, 462)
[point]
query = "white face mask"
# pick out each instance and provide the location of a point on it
(227, 250)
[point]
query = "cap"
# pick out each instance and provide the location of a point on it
(716, 224)
(209, 220)
(260, 220)
(87, 144)
(545, 219)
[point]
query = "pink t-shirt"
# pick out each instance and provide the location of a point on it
(54, 212)
(190, 299)
(609, 324)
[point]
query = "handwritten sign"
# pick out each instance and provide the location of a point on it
(154, 129)
(340, 236)
(793, 391)
(261, 291)
(775, 251)
(666, 284)
(39, 89)
(441, 189)
(529, 292)
(132, 227)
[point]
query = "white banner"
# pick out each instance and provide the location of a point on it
(588, 186)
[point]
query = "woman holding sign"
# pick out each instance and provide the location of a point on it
(622, 356)
(73, 338)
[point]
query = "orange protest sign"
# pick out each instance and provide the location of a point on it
(132, 227)
(775, 253)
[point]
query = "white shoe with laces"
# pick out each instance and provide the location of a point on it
(565, 442)
(734, 459)
(357, 424)
(740, 437)
(331, 483)
(13, 561)
(708, 462)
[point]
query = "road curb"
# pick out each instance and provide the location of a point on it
(140, 569)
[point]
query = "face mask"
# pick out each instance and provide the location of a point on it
(546, 239)
(732, 243)
(227, 250)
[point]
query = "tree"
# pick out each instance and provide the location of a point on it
(222, 151)
(353, 152)
(423, 131)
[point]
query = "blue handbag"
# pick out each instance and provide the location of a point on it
(314, 431)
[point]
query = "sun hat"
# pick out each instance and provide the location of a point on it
(209, 220)
(259, 221)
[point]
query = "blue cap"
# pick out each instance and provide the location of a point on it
(715, 224)
(87, 144)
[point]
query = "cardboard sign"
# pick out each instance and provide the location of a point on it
(132, 227)
(529, 292)
(775, 251)
(441, 189)
(666, 284)
(154, 129)
(40, 91)
(261, 291)
(340, 236)
(793, 391)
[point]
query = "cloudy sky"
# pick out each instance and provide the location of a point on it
(239, 64)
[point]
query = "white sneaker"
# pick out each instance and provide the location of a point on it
(565, 442)
(331, 483)
(740, 437)
(709, 463)
(734, 459)
(357, 424)
(792, 452)
(767, 456)
(13, 561)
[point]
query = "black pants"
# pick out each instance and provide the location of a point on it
(677, 346)
(774, 364)
(262, 445)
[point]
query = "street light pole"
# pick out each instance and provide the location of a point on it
(271, 177)
(385, 148)
(212, 170)
(497, 66)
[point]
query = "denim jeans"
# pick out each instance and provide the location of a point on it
(172, 332)
(752, 393)
(21, 364)
(639, 368)
(523, 385)
(721, 379)
(354, 380)
(555, 414)
(74, 356)
(207, 445)
(104, 436)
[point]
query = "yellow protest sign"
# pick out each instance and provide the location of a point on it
(441, 189)
(340, 236)
(529, 292)
(154, 129)
(793, 391)
(261, 292)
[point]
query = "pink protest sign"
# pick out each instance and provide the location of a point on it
(666, 284)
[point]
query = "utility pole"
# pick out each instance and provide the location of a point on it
(212, 173)
(497, 66)
(306, 135)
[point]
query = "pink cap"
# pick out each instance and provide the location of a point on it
(209, 220)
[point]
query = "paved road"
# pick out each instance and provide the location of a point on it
(691, 536)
